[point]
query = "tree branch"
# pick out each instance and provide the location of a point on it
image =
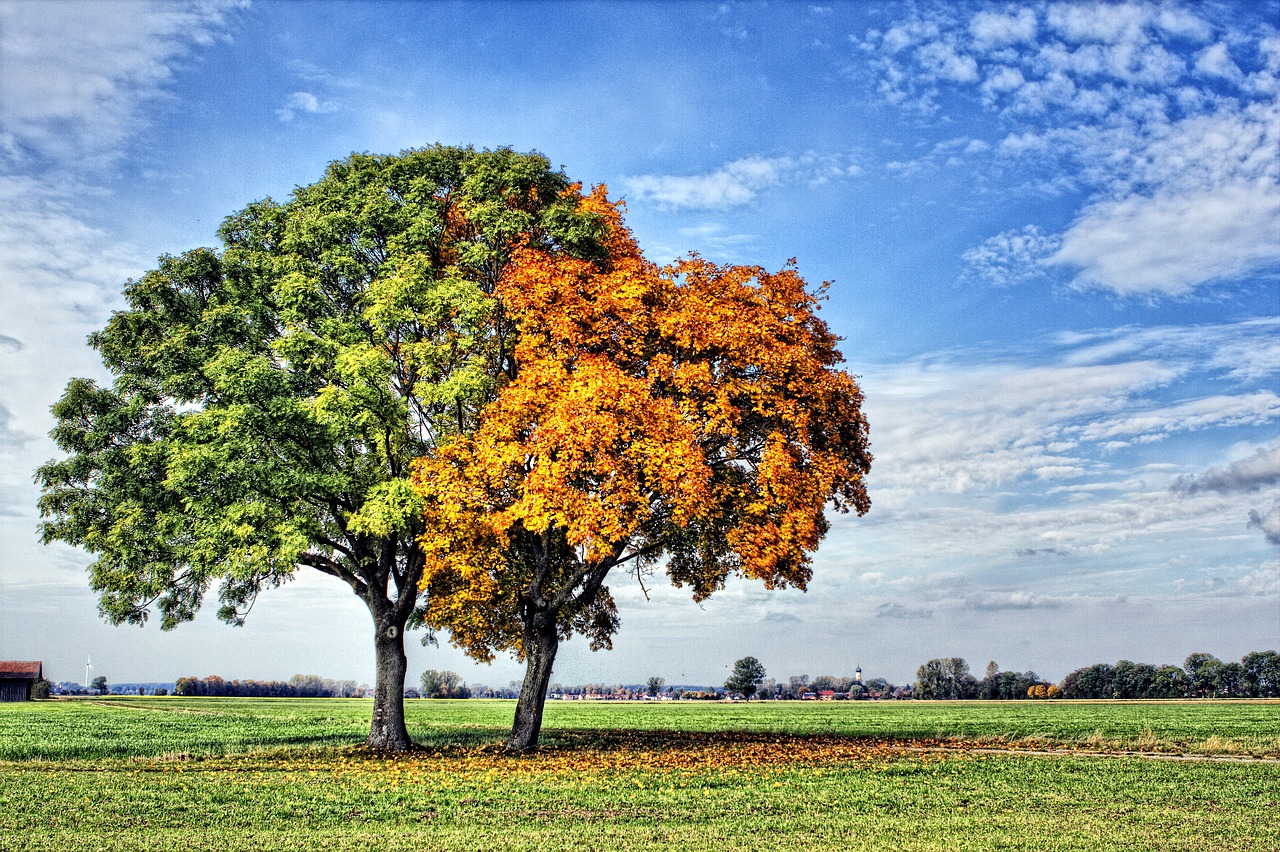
(333, 569)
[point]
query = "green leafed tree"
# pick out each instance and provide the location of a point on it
(746, 677)
(268, 395)
(438, 684)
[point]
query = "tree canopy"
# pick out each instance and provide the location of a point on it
(746, 677)
(693, 412)
(270, 395)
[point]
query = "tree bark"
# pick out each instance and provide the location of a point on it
(387, 730)
(540, 646)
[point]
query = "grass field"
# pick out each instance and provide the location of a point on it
(234, 774)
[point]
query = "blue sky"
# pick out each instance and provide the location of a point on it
(1053, 232)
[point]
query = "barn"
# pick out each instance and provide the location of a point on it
(17, 677)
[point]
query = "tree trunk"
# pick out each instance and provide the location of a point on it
(387, 731)
(541, 644)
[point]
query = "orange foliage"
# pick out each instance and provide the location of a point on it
(692, 409)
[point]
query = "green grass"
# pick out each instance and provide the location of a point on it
(232, 774)
(125, 727)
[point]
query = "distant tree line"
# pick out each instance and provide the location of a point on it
(1202, 675)
(298, 686)
(1257, 675)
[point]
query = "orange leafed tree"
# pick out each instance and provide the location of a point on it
(692, 413)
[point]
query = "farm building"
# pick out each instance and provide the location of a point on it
(17, 677)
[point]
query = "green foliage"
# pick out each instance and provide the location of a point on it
(437, 684)
(746, 677)
(947, 678)
(269, 396)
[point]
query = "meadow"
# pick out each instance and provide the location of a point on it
(230, 774)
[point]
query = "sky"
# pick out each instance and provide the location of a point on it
(1052, 232)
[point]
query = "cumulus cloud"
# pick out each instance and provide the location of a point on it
(1265, 581)
(1259, 470)
(736, 183)
(1171, 244)
(1268, 523)
(1125, 102)
(992, 29)
(1215, 61)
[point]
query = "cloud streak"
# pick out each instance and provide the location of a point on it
(77, 74)
(736, 183)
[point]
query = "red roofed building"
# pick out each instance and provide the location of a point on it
(17, 677)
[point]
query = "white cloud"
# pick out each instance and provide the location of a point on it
(991, 29)
(1247, 352)
(942, 60)
(737, 183)
(1211, 411)
(1215, 61)
(964, 427)
(1013, 257)
(76, 73)
(1172, 244)
(304, 102)
(1011, 600)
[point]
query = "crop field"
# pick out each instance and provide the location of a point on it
(231, 774)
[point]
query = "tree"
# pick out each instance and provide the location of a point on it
(270, 396)
(746, 676)
(945, 678)
(989, 688)
(1169, 682)
(442, 684)
(1203, 672)
(99, 684)
(692, 411)
(1096, 681)
(654, 685)
(1261, 674)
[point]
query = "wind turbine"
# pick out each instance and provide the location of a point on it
(87, 665)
